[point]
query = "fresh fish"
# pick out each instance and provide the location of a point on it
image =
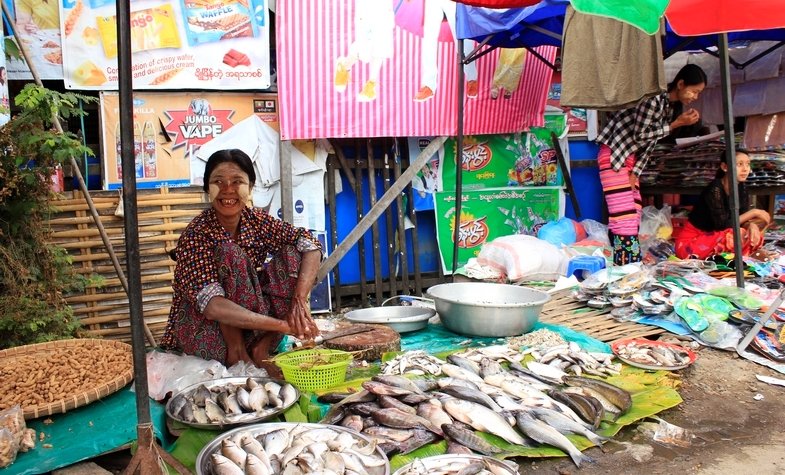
(337, 408)
(229, 404)
(334, 463)
(334, 415)
(482, 419)
(398, 382)
(254, 466)
(417, 440)
(433, 411)
(214, 411)
(381, 389)
(489, 366)
(293, 451)
(258, 399)
(397, 435)
(564, 424)
(253, 447)
(473, 396)
(469, 439)
(244, 399)
(332, 398)
(460, 373)
(472, 468)
(288, 395)
(464, 363)
(455, 448)
(276, 442)
(426, 384)
(545, 434)
(183, 409)
(389, 401)
(200, 415)
(251, 383)
(398, 419)
(273, 394)
(608, 407)
(352, 421)
(580, 405)
(234, 453)
(413, 399)
(546, 371)
(442, 382)
(617, 396)
(201, 394)
(224, 466)
(364, 408)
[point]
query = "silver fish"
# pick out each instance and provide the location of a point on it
(275, 442)
(398, 381)
(234, 453)
(253, 447)
(458, 372)
(214, 411)
(433, 411)
(464, 363)
(483, 419)
(546, 371)
(288, 395)
(254, 466)
(489, 366)
(564, 424)
(229, 403)
(545, 434)
(224, 466)
(398, 435)
(244, 399)
(200, 395)
(200, 415)
(258, 399)
(352, 421)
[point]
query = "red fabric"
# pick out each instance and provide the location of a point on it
(701, 17)
(692, 242)
(499, 3)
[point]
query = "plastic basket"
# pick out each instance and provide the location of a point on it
(310, 370)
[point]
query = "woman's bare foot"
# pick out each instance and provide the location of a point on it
(262, 351)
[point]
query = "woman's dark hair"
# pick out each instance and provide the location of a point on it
(236, 156)
(691, 74)
(720, 171)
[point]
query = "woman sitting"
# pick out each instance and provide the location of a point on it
(224, 308)
(709, 230)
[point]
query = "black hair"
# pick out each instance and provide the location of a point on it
(236, 156)
(691, 74)
(720, 171)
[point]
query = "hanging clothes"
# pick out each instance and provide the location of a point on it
(607, 64)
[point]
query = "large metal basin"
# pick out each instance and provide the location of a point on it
(486, 309)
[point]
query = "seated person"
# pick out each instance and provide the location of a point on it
(709, 230)
(224, 307)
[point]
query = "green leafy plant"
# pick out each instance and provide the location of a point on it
(35, 275)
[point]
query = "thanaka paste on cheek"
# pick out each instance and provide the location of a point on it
(213, 191)
(244, 191)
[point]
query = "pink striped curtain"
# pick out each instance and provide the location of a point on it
(314, 34)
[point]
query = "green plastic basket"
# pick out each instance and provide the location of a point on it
(311, 370)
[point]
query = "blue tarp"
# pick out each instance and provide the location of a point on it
(518, 27)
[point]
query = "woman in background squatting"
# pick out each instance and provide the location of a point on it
(625, 146)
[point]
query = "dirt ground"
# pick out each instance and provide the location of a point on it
(733, 430)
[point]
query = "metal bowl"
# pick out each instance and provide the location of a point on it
(204, 462)
(486, 309)
(431, 464)
(398, 317)
(220, 382)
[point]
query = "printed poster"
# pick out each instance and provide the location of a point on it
(779, 208)
(388, 68)
(5, 101)
(37, 22)
(520, 159)
(491, 213)
(426, 182)
(170, 127)
(183, 44)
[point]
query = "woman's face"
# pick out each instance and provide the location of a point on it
(689, 94)
(742, 167)
(229, 189)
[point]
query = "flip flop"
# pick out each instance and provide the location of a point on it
(692, 314)
(768, 345)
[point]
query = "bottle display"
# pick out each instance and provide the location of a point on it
(150, 165)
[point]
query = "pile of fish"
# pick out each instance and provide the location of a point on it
(232, 401)
(416, 362)
(653, 354)
(295, 449)
(536, 404)
(458, 465)
(570, 357)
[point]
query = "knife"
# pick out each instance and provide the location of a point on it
(341, 332)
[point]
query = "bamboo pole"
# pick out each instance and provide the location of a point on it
(75, 166)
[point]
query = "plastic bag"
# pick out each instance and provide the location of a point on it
(655, 223)
(13, 419)
(596, 231)
(8, 447)
(523, 257)
(558, 232)
(169, 372)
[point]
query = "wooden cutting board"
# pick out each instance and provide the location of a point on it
(371, 344)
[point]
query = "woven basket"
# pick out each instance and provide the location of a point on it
(42, 350)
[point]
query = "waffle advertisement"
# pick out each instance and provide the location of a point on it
(169, 128)
(176, 44)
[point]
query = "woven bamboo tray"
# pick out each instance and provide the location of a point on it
(41, 352)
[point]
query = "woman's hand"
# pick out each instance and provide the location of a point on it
(755, 234)
(763, 216)
(300, 322)
(687, 117)
(634, 181)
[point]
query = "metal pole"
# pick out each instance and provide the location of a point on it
(458, 162)
(730, 155)
(79, 178)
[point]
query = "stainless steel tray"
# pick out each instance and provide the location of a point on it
(204, 462)
(429, 464)
(400, 318)
(228, 425)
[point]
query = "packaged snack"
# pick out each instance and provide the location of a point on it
(235, 58)
(207, 21)
(152, 28)
(8, 447)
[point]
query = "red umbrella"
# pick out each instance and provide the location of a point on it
(701, 17)
(499, 3)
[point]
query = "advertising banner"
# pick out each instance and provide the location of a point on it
(491, 213)
(183, 44)
(521, 159)
(388, 68)
(37, 22)
(426, 182)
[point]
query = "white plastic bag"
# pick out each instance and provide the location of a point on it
(655, 223)
(524, 257)
(169, 372)
(596, 231)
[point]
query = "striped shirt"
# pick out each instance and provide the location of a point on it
(636, 131)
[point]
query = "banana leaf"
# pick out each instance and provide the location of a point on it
(187, 447)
